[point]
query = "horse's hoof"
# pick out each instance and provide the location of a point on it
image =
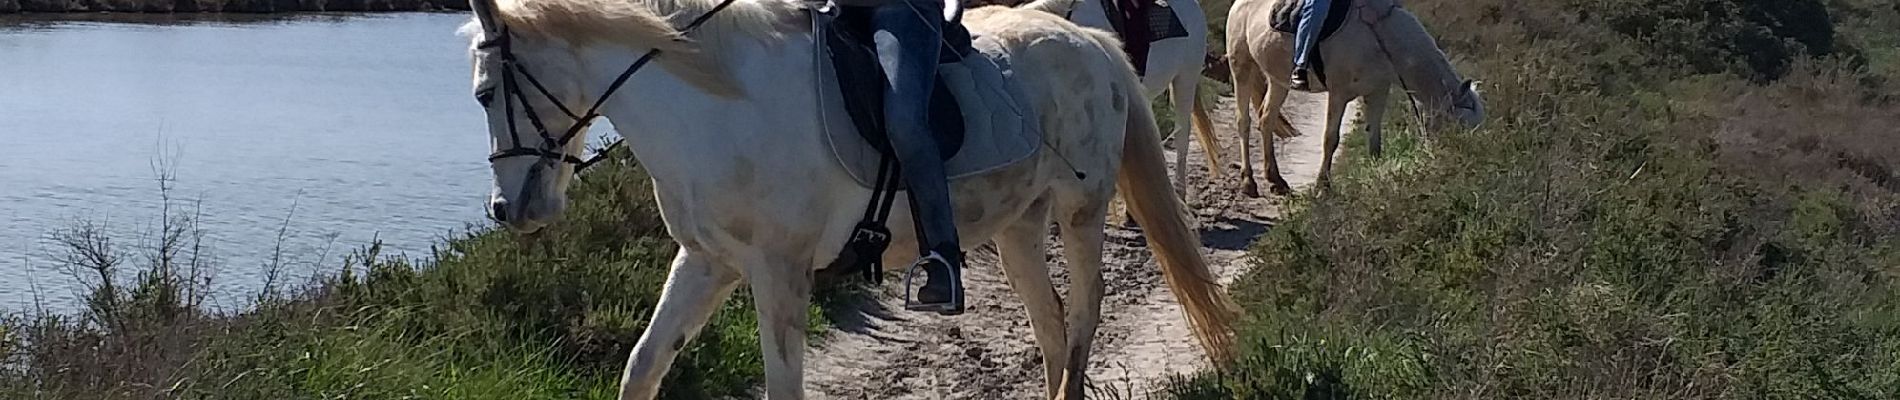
(1282, 189)
(1250, 189)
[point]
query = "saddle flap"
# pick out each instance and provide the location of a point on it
(1140, 23)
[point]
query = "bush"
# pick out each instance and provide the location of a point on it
(1756, 38)
(488, 315)
(1626, 225)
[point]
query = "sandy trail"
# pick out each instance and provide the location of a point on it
(989, 352)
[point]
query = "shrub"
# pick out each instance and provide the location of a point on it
(1626, 225)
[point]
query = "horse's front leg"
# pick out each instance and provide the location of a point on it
(1375, 104)
(1335, 113)
(694, 289)
(782, 293)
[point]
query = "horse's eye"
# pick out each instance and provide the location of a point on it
(484, 96)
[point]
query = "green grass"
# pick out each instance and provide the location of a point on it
(1625, 225)
(489, 315)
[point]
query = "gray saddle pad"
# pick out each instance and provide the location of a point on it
(1001, 127)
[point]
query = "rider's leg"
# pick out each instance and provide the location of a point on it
(908, 34)
(1312, 18)
(1136, 35)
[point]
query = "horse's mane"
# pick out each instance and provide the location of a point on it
(655, 24)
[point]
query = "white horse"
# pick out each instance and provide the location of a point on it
(1379, 44)
(726, 120)
(1174, 66)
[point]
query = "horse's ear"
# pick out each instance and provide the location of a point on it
(485, 12)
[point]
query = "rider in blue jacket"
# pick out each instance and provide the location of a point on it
(909, 36)
(1312, 17)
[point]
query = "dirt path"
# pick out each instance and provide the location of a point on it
(989, 352)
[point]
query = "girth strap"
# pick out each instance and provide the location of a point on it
(865, 250)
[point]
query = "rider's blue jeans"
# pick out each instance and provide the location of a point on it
(908, 34)
(1312, 17)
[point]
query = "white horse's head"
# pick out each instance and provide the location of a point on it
(535, 134)
(1461, 106)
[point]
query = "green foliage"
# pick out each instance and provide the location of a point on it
(1623, 226)
(1758, 38)
(491, 315)
(580, 291)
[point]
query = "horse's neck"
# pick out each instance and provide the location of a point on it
(675, 128)
(1415, 55)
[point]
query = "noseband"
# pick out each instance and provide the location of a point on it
(551, 147)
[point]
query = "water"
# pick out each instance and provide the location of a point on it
(363, 123)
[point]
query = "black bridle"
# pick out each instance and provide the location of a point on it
(552, 147)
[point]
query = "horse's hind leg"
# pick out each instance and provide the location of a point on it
(1021, 245)
(1276, 99)
(1082, 237)
(1375, 106)
(1182, 91)
(1249, 86)
(694, 289)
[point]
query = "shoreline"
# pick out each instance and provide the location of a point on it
(54, 7)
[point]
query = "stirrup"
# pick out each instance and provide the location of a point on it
(952, 307)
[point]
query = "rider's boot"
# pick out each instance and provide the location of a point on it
(1299, 79)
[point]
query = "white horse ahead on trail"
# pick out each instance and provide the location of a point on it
(728, 128)
(1377, 45)
(1174, 66)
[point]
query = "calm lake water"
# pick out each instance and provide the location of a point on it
(362, 123)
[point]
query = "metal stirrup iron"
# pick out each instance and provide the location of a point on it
(954, 304)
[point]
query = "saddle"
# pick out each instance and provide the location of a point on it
(862, 78)
(1286, 18)
(979, 115)
(1140, 23)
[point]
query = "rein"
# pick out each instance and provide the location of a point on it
(551, 146)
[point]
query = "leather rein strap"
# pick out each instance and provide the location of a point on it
(551, 146)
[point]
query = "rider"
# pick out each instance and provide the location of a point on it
(1312, 16)
(909, 36)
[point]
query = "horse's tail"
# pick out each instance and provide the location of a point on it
(1204, 131)
(1203, 128)
(1284, 128)
(1144, 185)
(1057, 7)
